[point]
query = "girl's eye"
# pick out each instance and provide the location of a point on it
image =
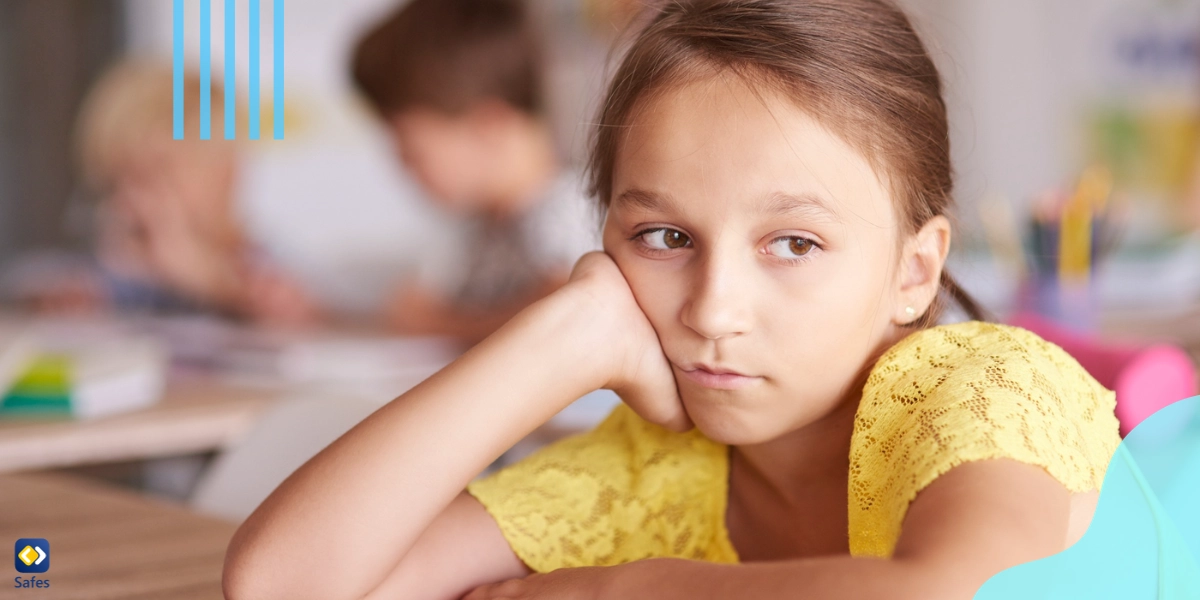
(664, 239)
(791, 247)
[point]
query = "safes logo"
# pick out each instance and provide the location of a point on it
(32, 555)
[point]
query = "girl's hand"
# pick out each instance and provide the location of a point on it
(584, 583)
(633, 359)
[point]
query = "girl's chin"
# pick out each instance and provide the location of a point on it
(728, 425)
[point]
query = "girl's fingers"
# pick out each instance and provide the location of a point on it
(655, 396)
(641, 374)
(589, 264)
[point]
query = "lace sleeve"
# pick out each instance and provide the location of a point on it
(625, 491)
(968, 392)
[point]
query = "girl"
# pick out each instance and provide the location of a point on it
(776, 177)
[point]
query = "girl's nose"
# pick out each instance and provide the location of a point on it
(719, 304)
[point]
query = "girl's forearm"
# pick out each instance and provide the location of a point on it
(833, 577)
(341, 522)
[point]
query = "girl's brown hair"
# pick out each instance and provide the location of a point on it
(856, 65)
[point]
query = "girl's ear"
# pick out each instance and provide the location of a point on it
(921, 267)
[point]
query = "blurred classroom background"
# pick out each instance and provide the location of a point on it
(1076, 137)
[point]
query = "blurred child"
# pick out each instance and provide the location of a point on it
(166, 231)
(458, 84)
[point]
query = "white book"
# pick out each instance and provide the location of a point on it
(109, 372)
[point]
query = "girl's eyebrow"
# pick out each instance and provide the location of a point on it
(805, 205)
(647, 200)
(802, 205)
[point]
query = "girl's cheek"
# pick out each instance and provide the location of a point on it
(656, 293)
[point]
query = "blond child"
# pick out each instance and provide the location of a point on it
(167, 234)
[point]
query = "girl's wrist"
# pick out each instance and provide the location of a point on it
(572, 337)
(562, 342)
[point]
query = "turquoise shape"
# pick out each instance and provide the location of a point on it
(1144, 539)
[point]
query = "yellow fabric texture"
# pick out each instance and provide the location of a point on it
(947, 395)
(967, 392)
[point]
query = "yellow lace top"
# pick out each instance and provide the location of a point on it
(947, 395)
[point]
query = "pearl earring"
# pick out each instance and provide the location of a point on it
(910, 311)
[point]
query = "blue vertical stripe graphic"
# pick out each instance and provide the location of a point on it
(278, 69)
(253, 50)
(177, 83)
(205, 70)
(230, 76)
(230, 70)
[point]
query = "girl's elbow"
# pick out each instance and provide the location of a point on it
(253, 570)
(239, 583)
(236, 584)
(243, 577)
(247, 582)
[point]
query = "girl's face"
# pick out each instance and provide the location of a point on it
(758, 243)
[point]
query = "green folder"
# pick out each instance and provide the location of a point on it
(44, 386)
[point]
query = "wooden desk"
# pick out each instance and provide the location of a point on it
(107, 543)
(199, 413)
(193, 416)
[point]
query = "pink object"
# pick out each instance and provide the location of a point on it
(1145, 378)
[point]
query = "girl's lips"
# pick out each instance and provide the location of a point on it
(718, 381)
